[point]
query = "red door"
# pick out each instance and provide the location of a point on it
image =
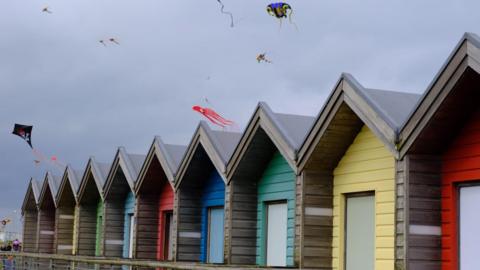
(461, 167)
(165, 205)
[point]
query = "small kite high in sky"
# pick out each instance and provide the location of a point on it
(263, 57)
(46, 10)
(24, 132)
(280, 11)
(113, 40)
(222, 7)
(213, 116)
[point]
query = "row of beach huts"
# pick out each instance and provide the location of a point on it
(377, 180)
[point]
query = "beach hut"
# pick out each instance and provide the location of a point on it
(89, 212)
(66, 200)
(46, 214)
(200, 195)
(440, 149)
(155, 198)
(119, 204)
(262, 190)
(30, 216)
(347, 165)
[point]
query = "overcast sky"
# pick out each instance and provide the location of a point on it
(85, 99)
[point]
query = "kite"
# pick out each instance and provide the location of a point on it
(24, 132)
(212, 116)
(5, 221)
(114, 41)
(280, 11)
(262, 57)
(45, 9)
(226, 12)
(103, 42)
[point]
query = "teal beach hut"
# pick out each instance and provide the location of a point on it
(262, 188)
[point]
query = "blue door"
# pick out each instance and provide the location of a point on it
(215, 235)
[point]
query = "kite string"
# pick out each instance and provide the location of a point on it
(290, 19)
(226, 12)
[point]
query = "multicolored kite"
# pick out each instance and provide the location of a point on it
(280, 11)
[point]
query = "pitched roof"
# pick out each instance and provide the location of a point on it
(218, 145)
(169, 156)
(33, 189)
(53, 183)
(463, 59)
(395, 106)
(286, 131)
(72, 178)
(384, 112)
(130, 164)
(99, 171)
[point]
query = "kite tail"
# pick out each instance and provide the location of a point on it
(290, 19)
(38, 154)
(222, 9)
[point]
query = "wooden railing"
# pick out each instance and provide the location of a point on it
(39, 261)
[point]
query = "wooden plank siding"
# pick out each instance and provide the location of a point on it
(366, 166)
(46, 231)
(30, 219)
(64, 230)
(155, 197)
(46, 223)
(30, 223)
(188, 212)
(242, 200)
(146, 226)
(243, 222)
(114, 215)
(424, 211)
(188, 206)
(64, 219)
(87, 228)
(150, 210)
(317, 218)
(334, 137)
(89, 208)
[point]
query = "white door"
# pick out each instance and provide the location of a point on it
(130, 240)
(469, 228)
(277, 234)
(360, 233)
